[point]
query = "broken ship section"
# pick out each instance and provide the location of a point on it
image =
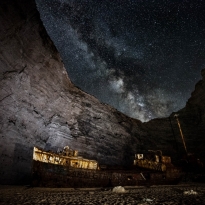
(67, 169)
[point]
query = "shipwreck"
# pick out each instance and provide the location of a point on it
(67, 169)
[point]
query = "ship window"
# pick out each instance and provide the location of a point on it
(140, 156)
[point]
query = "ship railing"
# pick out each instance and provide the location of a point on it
(70, 161)
(150, 164)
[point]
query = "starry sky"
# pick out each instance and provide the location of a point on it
(142, 57)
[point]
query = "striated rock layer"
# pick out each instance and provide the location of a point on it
(39, 106)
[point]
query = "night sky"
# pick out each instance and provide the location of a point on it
(143, 57)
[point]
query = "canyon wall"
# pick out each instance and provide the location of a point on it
(40, 106)
(192, 121)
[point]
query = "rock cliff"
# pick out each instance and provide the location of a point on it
(40, 106)
(192, 120)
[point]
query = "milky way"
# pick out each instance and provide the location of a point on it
(143, 57)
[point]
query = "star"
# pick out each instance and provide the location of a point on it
(142, 57)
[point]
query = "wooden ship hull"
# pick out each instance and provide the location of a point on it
(54, 170)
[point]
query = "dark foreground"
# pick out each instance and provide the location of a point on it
(134, 195)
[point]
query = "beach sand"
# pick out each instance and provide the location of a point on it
(177, 194)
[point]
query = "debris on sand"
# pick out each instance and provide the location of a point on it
(119, 189)
(191, 192)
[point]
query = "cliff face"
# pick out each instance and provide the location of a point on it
(192, 120)
(39, 106)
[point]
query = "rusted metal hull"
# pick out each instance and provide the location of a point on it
(53, 175)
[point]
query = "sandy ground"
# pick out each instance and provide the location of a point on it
(178, 194)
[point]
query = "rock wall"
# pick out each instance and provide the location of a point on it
(192, 120)
(39, 105)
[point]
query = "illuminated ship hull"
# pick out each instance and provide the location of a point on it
(53, 170)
